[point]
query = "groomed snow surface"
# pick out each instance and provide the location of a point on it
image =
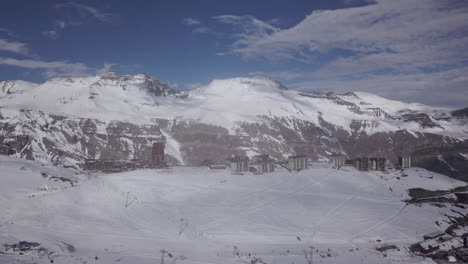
(200, 215)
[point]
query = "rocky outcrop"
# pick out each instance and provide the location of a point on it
(422, 119)
(462, 113)
(153, 85)
(69, 141)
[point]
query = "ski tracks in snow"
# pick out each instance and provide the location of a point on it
(260, 206)
(335, 210)
(379, 224)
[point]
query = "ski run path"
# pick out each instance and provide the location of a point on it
(206, 216)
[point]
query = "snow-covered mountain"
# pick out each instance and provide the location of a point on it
(140, 98)
(232, 116)
(15, 87)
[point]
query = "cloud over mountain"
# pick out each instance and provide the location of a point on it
(393, 40)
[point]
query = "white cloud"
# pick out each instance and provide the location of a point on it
(248, 24)
(191, 86)
(75, 14)
(202, 30)
(445, 88)
(394, 26)
(54, 68)
(280, 75)
(191, 21)
(14, 47)
(197, 26)
(52, 34)
(248, 29)
(391, 47)
(105, 68)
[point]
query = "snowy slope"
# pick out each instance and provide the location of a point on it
(140, 99)
(106, 97)
(67, 141)
(392, 107)
(440, 116)
(15, 87)
(200, 216)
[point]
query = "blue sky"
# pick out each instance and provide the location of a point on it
(413, 50)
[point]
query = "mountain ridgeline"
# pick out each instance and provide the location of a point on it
(64, 121)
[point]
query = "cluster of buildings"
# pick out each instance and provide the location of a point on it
(265, 164)
(438, 242)
(366, 164)
(238, 164)
(404, 161)
(156, 160)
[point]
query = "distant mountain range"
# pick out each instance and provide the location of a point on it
(66, 120)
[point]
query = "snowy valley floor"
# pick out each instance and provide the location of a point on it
(203, 216)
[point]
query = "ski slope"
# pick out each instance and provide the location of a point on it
(200, 216)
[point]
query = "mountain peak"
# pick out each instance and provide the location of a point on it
(242, 87)
(151, 84)
(141, 97)
(275, 83)
(16, 86)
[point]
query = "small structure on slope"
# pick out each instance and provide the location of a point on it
(433, 235)
(297, 162)
(438, 245)
(365, 164)
(239, 164)
(404, 161)
(337, 160)
(377, 164)
(157, 154)
(361, 164)
(444, 243)
(262, 164)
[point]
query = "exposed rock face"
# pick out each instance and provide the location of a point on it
(361, 109)
(11, 87)
(152, 85)
(68, 141)
(462, 113)
(422, 119)
(200, 142)
(283, 137)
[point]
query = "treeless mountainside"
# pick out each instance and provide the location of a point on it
(233, 116)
